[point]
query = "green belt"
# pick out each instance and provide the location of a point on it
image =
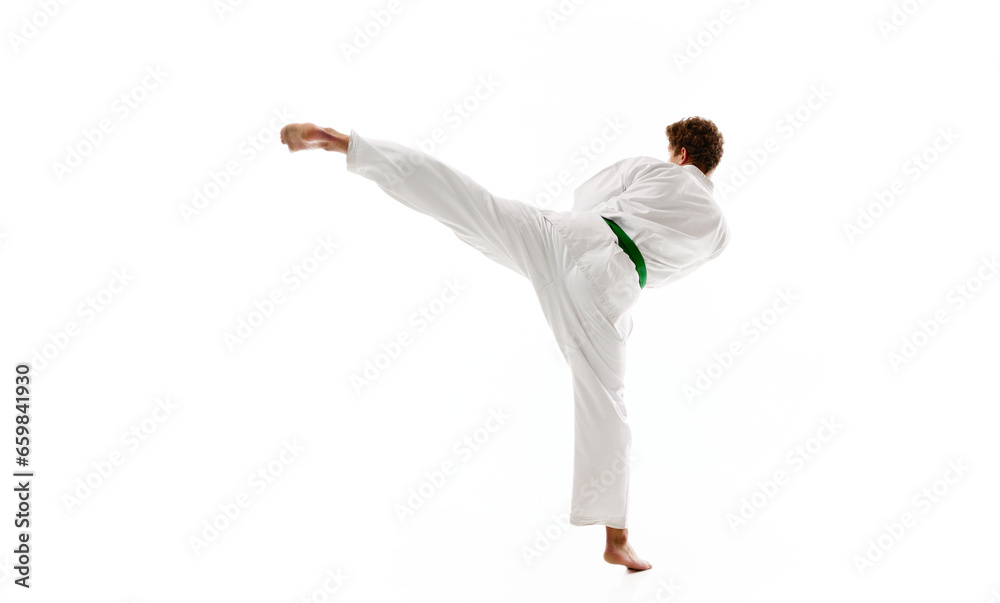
(633, 252)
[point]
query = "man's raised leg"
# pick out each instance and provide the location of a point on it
(510, 232)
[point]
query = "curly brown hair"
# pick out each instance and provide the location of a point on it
(702, 140)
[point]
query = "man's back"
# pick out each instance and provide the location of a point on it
(668, 210)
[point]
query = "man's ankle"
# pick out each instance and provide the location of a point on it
(617, 537)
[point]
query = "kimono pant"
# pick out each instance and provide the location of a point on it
(586, 285)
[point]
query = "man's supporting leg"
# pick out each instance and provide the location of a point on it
(595, 350)
(618, 551)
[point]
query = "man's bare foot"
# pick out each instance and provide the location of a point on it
(619, 552)
(300, 137)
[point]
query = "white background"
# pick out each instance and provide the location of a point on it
(886, 93)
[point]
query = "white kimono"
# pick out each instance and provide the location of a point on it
(666, 209)
(585, 283)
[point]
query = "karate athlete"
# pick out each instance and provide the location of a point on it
(640, 222)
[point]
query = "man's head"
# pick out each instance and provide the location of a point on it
(695, 141)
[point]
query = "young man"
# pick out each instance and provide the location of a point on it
(639, 222)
